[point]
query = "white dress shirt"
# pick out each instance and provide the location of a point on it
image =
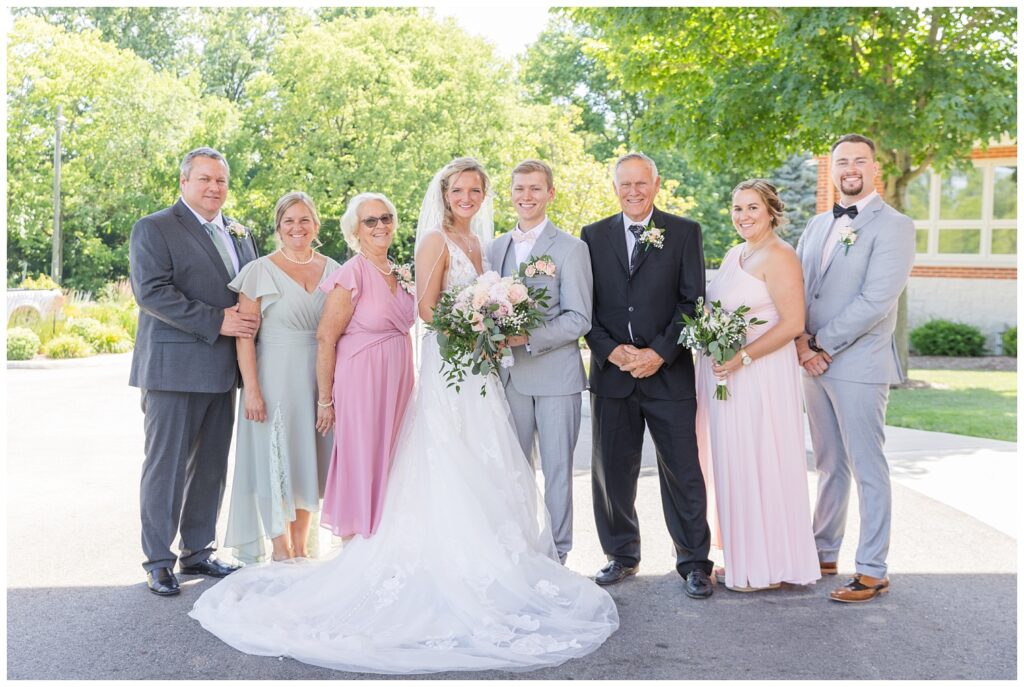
(524, 246)
(630, 239)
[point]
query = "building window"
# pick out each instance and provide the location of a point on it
(966, 214)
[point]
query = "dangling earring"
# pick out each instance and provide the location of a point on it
(317, 242)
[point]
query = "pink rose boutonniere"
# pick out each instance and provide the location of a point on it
(406, 279)
(543, 266)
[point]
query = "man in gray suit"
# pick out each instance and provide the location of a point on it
(856, 260)
(545, 386)
(182, 259)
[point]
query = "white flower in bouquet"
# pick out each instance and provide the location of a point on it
(718, 333)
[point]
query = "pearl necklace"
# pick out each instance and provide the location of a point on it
(391, 267)
(297, 262)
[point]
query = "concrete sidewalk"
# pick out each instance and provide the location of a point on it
(78, 608)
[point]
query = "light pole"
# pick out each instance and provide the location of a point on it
(58, 243)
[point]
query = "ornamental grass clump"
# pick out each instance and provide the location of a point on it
(67, 346)
(22, 344)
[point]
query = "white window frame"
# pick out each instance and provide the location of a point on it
(986, 224)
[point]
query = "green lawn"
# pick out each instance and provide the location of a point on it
(977, 403)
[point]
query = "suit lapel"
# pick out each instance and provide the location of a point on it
(198, 233)
(859, 222)
(507, 255)
(542, 246)
(615, 236)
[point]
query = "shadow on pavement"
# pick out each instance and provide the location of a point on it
(932, 626)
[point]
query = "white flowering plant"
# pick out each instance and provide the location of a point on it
(718, 333)
(472, 323)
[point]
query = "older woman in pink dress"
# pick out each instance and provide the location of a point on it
(752, 444)
(364, 367)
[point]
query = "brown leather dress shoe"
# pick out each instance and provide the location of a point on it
(829, 568)
(860, 589)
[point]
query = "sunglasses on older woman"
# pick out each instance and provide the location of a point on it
(371, 222)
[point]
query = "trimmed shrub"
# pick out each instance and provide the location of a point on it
(67, 346)
(22, 344)
(111, 339)
(942, 337)
(86, 327)
(41, 281)
(1009, 338)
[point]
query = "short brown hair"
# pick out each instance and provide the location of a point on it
(770, 195)
(853, 138)
(530, 166)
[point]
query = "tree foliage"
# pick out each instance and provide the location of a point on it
(744, 87)
(127, 126)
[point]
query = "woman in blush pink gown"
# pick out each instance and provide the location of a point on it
(364, 368)
(752, 444)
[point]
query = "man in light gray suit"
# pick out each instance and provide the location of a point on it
(182, 259)
(545, 386)
(856, 260)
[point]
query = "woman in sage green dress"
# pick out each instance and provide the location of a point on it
(280, 459)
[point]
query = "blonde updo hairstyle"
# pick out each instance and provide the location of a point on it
(287, 201)
(770, 196)
(449, 173)
(350, 220)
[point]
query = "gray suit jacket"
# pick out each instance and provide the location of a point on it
(851, 304)
(552, 366)
(180, 284)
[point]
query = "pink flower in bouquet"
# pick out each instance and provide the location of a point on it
(504, 310)
(531, 271)
(477, 322)
(517, 293)
(479, 297)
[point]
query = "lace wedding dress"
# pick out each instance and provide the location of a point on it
(461, 574)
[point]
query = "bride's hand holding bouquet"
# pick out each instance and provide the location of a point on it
(473, 323)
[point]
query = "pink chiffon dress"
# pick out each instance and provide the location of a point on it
(752, 450)
(373, 380)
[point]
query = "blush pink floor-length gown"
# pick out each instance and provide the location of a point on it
(373, 380)
(752, 450)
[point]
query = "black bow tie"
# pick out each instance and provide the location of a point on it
(838, 211)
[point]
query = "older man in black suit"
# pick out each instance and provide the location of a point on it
(648, 271)
(182, 259)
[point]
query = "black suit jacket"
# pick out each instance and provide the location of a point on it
(180, 283)
(666, 283)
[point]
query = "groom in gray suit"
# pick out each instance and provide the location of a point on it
(182, 259)
(544, 388)
(856, 260)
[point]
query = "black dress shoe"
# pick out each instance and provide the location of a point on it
(614, 572)
(210, 567)
(698, 585)
(162, 581)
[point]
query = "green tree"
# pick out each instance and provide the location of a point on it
(128, 126)
(744, 88)
(159, 35)
(797, 183)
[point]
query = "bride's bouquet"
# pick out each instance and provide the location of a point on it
(718, 333)
(472, 322)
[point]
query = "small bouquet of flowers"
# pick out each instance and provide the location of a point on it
(718, 333)
(473, 321)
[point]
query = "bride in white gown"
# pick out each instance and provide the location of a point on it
(462, 573)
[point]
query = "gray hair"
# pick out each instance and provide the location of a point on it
(350, 220)
(186, 162)
(633, 156)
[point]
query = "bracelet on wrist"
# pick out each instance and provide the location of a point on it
(325, 405)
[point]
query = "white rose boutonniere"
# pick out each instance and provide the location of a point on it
(236, 229)
(653, 236)
(847, 237)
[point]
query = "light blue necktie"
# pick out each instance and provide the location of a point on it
(212, 230)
